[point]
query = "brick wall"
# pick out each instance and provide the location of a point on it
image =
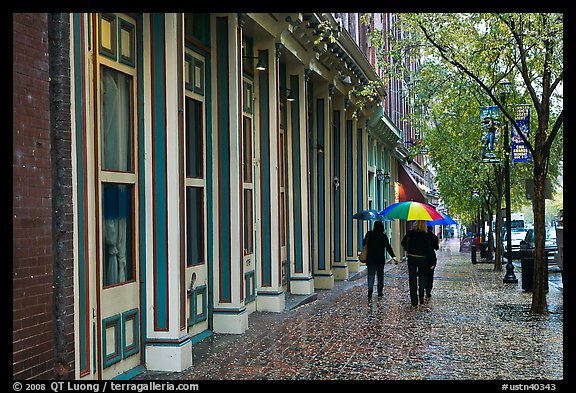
(32, 267)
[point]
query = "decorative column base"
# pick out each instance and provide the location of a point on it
(353, 265)
(324, 280)
(168, 355)
(301, 285)
(271, 301)
(341, 272)
(230, 321)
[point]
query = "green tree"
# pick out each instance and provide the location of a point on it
(525, 50)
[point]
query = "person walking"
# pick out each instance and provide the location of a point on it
(416, 243)
(435, 243)
(377, 243)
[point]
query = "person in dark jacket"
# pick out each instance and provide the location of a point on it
(435, 243)
(416, 243)
(378, 244)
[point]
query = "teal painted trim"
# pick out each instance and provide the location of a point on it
(271, 293)
(194, 316)
(359, 178)
(159, 173)
(130, 373)
(130, 61)
(230, 311)
(81, 159)
(349, 190)
(141, 182)
(114, 50)
(298, 264)
(201, 336)
(266, 255)
(175, 343)
(287, 178)
(337, 251)
(210, 196)
(311, 159)
(116, 356)
(198, 64)
(250, 287)
(222, 81)
(320, 185)
(126, 316)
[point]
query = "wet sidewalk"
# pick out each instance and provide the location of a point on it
(475, 327)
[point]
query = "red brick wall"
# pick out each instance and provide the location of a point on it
(32, 264)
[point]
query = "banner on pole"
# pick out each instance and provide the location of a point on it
(520, 152)
(489, 120)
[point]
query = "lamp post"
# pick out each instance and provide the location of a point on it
(476, 198)
(510, 277)
(379, 177)
(386, 178)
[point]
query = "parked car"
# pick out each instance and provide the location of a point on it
(549, 245)
(518, 235)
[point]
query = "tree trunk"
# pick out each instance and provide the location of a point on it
(490, 256)
(539, 302)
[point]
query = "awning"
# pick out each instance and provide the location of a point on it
(408, 190)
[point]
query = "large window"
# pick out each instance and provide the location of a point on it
(248, 185)
(194, 155)
(117, 147)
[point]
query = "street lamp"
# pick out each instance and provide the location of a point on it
(476, 197)
(510, 277)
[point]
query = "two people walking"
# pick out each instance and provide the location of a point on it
(420, 245)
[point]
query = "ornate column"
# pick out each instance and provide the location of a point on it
(301, 280)
(230, 315)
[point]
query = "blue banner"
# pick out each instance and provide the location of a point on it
(520, 152)
(489, 116)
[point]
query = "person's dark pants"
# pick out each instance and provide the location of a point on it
(375, 270)
(429, 281)
(417, 278)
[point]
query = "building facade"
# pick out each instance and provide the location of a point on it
(175, 173)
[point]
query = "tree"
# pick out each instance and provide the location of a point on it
(525, 50)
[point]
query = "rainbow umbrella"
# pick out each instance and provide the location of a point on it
(411, 210)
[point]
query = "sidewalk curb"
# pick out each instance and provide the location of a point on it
(294, 301)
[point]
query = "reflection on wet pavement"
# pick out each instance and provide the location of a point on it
(475, 327)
